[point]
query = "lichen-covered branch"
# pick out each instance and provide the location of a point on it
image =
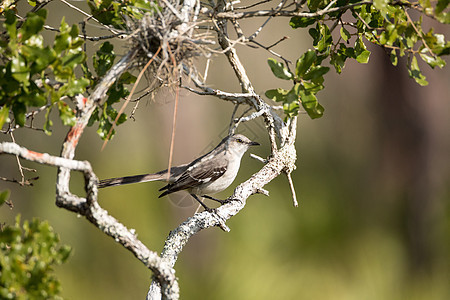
(282, 160)
(89, 207)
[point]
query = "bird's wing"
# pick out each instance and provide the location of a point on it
(197, 174)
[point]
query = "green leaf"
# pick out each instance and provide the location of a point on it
(66, 114)
(361, 52)
(291, 108)
(441, 5)
(316, 72)
(312, 87)
(305, 62)
(112, 114)
(338, 61)
(278, 95)
(313, 5)
(301, 22)
(104, 59)
(315, 34)
(381, 5)
(432, 61)
(34, 98)
(293, 94)
(20, 70)
(4, 114)
(94, 117)
(394, 58)
(28, 257)
(73, 58)
(325, 40)
(76, 86)
(363, 57)
(109, 12)
(292, 103)
(4, 195)
(103, 129)
(127, 78)
(41, 58)
(345, 34)
(19, 109)
(279, 70)
(48, 123)
(311, 105)
(63, 39)
(116, 92)
(415, 73)
(33, 24)
(10, 25)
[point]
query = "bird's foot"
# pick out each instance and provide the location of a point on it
(231, 199)
(222, 202)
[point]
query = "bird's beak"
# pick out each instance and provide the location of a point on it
(254, 144)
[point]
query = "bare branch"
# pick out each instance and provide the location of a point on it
(89, 208)
(283, 13)
(22, 182)
(291, 185)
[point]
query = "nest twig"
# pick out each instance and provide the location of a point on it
(180, 42)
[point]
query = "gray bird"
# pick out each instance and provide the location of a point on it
(208, 174)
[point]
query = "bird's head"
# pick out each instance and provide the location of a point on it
(240, 143)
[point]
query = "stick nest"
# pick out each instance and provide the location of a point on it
(172, 42)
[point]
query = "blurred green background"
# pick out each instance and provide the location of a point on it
(372, 178)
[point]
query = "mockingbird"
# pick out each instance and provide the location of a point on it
(208, 174)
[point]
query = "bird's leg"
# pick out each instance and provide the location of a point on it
(222, 202)
(211, 210)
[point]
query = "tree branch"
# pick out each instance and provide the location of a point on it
(282, 13)
(90, 208)
(281, 160)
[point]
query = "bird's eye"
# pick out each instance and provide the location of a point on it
(239, 141)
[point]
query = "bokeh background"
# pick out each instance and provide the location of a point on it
(372, 178)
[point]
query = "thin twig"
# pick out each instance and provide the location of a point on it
(88, 16)
(284, 13)
(129, 97)
(287, 62)
(22, 181)
(419, 33)
(279, 7)
(291, 186)
(175, 110)
(120, 35)
(279, 41)
(252, 5)
(258, 158)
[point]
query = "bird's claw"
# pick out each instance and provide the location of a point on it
(228, 200)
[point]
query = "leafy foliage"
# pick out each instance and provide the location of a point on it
(35, 75)
(106, 115)
(4, 195)
(308, 80)
(28, 255)
(110, 12)
(28, 61)
(383, 23)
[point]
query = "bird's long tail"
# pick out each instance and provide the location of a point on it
(160, 176)
(131, 179)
